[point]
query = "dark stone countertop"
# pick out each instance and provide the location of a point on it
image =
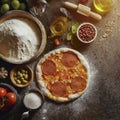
(101, 101)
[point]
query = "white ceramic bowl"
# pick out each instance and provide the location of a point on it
(86, 32)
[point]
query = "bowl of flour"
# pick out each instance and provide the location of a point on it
(22, 37)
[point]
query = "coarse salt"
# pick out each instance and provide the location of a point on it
(32, 101)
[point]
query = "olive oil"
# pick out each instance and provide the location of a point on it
(59, 26)
(103, 6)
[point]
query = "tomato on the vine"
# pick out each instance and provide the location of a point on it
(3, 92)
(5, 107)
(11, 98)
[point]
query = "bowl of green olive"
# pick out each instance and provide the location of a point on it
(21, 76)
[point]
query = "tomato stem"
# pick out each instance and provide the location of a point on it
(2, 103)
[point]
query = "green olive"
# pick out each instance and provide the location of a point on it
(18, 81)
(22, 6)
(18, 73)
(23, 71)
(15, 4)
(26, 76)
(24, 81)
(21, 76)
(4, 8)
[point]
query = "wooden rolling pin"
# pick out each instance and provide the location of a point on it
(82, 9)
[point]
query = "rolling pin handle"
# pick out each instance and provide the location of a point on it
(95, 15)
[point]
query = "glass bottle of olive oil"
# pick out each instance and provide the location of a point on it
(103, 6)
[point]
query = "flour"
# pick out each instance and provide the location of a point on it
(19, 39)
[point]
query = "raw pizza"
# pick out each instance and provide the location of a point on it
(62, 74)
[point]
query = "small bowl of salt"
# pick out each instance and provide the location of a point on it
(32, 100)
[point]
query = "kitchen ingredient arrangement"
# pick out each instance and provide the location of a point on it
(62, 74)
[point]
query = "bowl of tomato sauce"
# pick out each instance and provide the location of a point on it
(8, 97)
(86, 32)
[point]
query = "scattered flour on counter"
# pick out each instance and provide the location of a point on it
(109, 27)
(19, 39)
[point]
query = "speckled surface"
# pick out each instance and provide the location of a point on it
(101, 101)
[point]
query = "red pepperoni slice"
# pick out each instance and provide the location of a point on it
(69, 59)
(48, 67)
(78, 84)
(58, 89)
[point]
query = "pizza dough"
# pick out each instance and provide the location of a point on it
(62, 74)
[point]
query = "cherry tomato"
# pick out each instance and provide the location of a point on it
(3, 92)
(11, 98)
(1, 104)
(56, 42)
